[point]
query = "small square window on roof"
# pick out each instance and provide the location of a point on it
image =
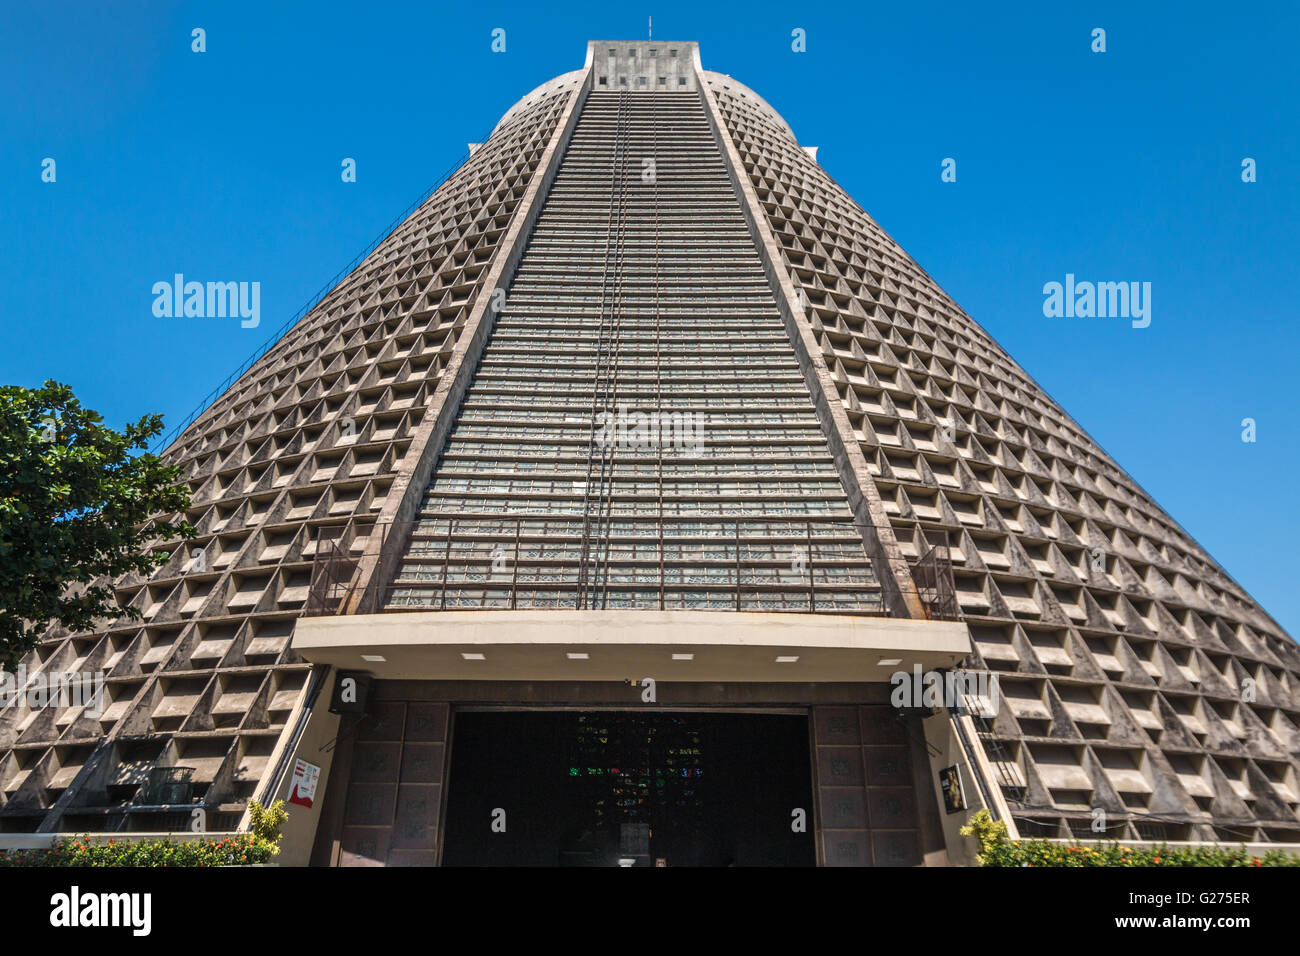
(613, 52)
(663, 81)
(640, 81)
(681, 81)
(654, 52)
(622, 81)
(604, 81)
(672, 52)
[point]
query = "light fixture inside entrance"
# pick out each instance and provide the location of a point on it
(472, 657)
(374, 658)
(683, 657)
(889, 662)
(577, 655)
(787, 659)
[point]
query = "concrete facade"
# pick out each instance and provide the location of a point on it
(870, 765)
(354, 493)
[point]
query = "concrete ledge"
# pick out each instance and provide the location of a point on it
(629, 644)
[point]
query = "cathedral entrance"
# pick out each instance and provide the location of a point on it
(629, 788)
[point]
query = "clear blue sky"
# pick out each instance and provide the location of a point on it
(1117, 166)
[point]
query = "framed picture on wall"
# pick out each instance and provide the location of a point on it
(954, 794)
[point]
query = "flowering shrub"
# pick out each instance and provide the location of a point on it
(997, 850)
(240, 849)
(237, 850)
(1041, 853)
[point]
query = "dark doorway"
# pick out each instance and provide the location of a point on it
(631, 788)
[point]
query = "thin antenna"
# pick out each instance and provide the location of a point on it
(650, 31)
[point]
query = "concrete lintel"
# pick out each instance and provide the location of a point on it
(630, 644)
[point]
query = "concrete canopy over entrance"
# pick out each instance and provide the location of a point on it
(622, 644)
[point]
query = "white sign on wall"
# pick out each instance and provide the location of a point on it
(302, 789)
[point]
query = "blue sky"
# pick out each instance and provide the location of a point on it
(1124, 165)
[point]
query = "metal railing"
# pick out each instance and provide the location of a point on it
(332, 571)
(935, 587)
(809, 565)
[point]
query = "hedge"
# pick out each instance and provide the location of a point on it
(997, 850)
(1042, 853)
(241, 849)
(237, 850)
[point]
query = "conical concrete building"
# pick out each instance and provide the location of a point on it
(618, 509)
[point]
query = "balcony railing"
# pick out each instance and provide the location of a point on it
(808, 565)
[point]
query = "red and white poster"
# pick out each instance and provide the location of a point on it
(302, 789)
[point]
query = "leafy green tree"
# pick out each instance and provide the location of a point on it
(76, 498)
